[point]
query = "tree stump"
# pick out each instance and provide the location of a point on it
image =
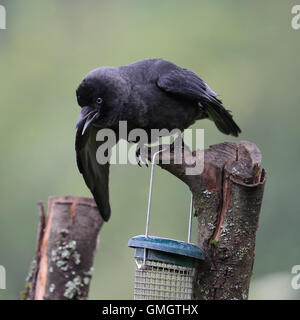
(66, 246)
(227, 198)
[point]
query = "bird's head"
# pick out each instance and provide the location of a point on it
(95, 96)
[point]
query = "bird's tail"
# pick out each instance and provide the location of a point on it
(221, 117)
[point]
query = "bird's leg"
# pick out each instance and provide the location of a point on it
(178, 148)
(177, 143)
(141, 154)
(144, 151)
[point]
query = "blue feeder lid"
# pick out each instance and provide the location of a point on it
(166, 250)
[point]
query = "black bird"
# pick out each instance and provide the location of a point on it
(148, 94)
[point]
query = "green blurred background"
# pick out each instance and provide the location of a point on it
(246, 51)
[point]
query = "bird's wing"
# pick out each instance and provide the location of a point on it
(183, 82)
(95, 175)
(189, 85)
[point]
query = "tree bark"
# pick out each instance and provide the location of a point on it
(227, 198)
(66, 246)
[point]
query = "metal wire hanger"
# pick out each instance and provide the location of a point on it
(150, 199)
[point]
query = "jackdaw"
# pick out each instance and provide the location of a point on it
(148, 94)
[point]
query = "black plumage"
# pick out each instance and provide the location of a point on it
(148, 94)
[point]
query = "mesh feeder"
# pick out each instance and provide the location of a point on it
(164, 267)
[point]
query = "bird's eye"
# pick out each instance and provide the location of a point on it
(99, 100)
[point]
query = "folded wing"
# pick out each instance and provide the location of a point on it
(187, 84)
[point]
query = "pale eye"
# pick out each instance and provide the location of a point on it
(99, 100)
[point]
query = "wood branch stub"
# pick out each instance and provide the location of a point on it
(227, 199)
(66, 246)
(31, 279)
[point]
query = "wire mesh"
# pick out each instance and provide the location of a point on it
(162, 281)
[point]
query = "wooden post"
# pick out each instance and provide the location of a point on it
(66, 245)
(227, 199)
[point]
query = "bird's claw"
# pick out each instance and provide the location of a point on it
(141, 155)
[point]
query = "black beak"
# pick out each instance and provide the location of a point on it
(86, 117)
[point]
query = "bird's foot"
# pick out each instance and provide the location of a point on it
(144, 152)
(141, 154)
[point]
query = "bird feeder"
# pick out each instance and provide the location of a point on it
(164, 267)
